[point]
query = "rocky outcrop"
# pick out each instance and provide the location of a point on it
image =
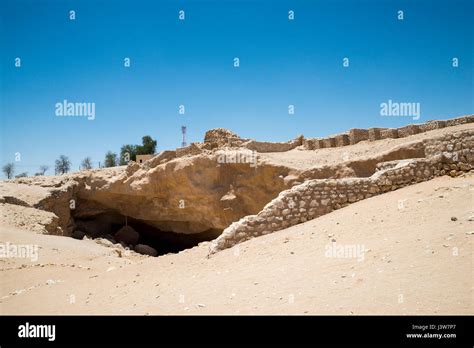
(28, 218)
(184, 195)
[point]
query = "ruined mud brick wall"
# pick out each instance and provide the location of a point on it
(263, 146)
(353, 136)
(356, 135)
(329, 142)
(391, 133)
(406, 131)
(431, 125)
(218, 138)
(375, 133)
(342, 140)
(449, 154)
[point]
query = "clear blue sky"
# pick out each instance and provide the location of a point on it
(191, 62)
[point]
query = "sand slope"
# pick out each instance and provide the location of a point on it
(419, 262)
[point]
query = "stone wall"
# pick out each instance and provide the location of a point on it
(375, 133)
(264, 146)
(219, 137)
(449, 154)
(355, 135)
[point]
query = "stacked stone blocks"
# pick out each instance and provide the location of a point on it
(450, 154)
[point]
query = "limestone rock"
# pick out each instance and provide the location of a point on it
(77, 234)
(220, 136)
(145, 250)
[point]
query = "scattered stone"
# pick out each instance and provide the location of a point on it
(104, 242)
(77, 234)
(127, 235)
(453, 218)
(145, 250)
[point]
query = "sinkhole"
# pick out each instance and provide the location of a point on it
(108, 224)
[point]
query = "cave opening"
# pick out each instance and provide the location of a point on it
(107, 225)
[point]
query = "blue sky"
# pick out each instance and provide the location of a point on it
(190, 62)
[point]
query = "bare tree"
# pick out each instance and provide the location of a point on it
(62, 165)
(9, 169)
(43, 169)
(86, 163)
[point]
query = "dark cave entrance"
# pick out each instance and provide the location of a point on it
(107, 224)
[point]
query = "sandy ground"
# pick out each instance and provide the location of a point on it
(416, 260)
(301, 159)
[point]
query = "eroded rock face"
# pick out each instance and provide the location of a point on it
(189, 195)
(185, 195)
